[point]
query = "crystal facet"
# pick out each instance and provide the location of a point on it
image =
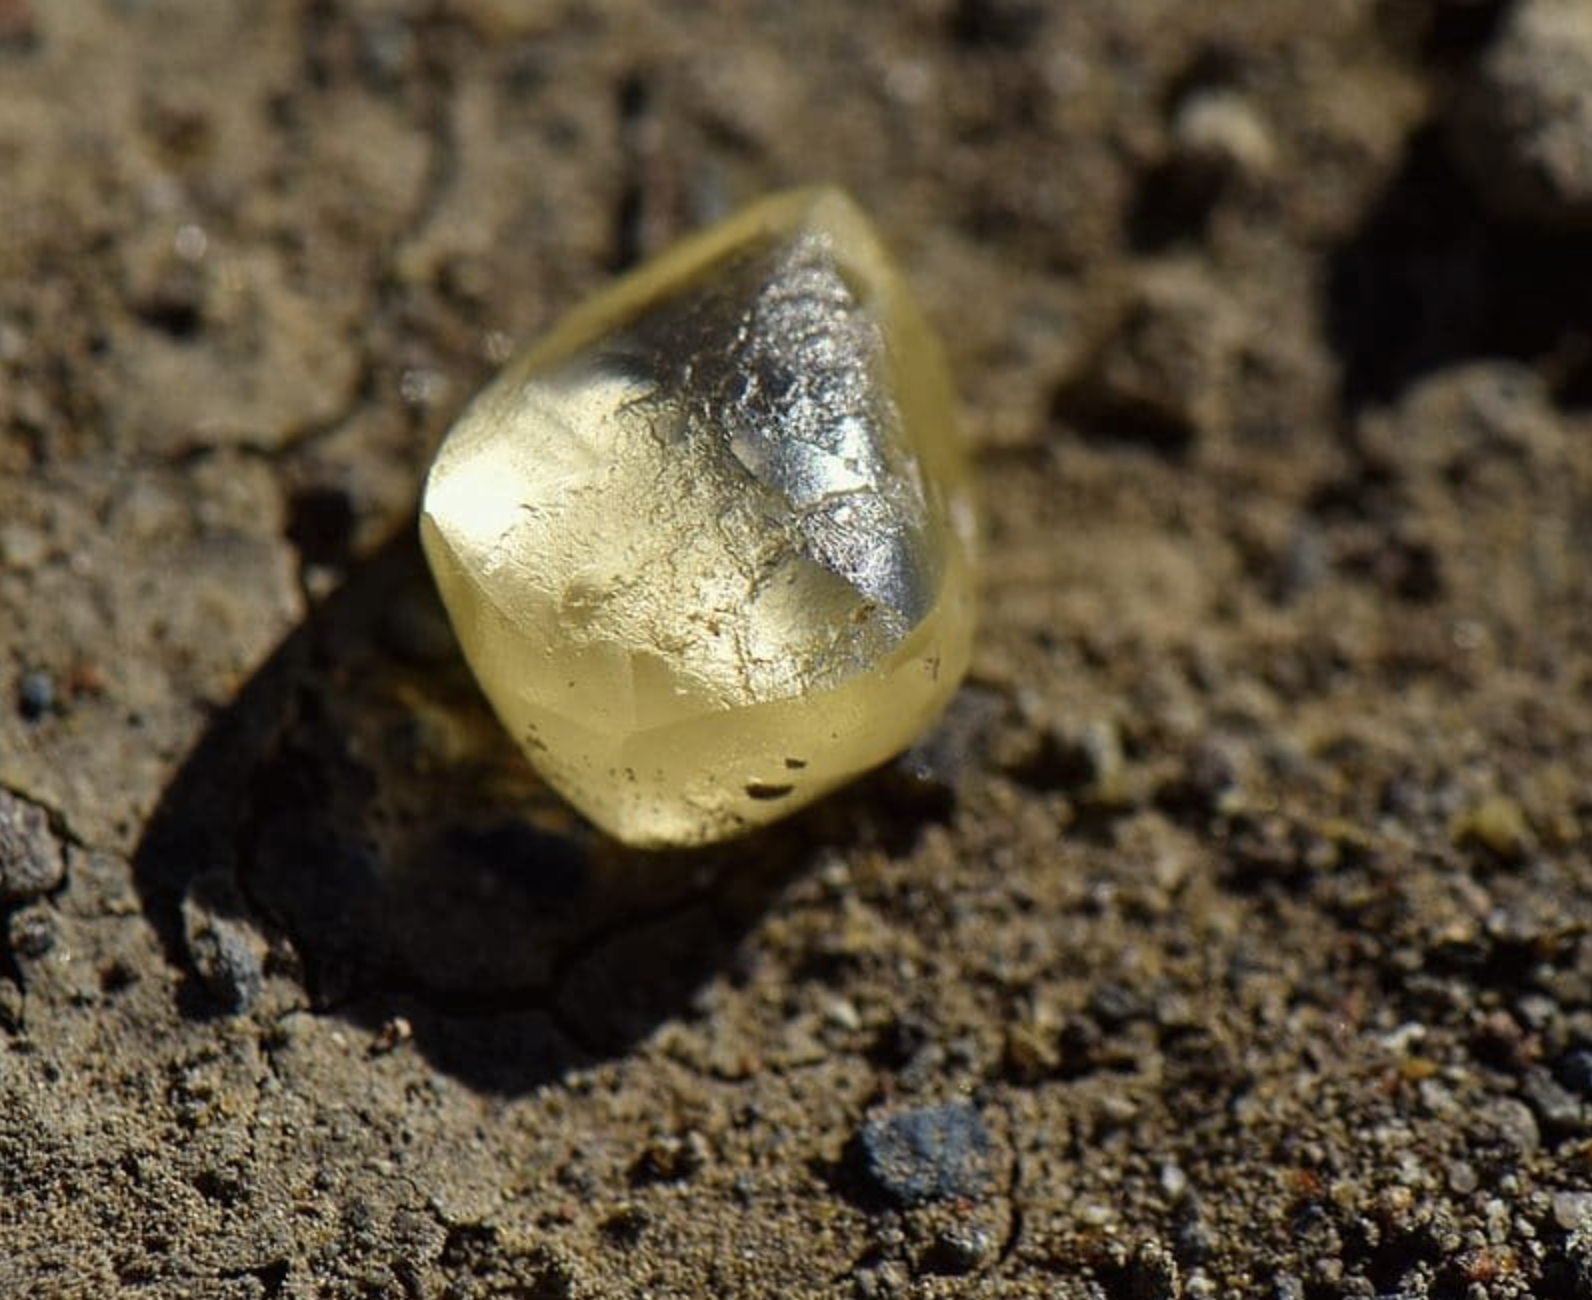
(707, 544)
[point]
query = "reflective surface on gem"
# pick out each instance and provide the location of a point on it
(706, 546)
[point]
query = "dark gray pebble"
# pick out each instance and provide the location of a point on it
(35, 694)
(32, 861)
(1575, 1071)
(226, 955)
(928, 1153)
(1558, 1110)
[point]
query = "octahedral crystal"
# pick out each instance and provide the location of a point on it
(707, 544)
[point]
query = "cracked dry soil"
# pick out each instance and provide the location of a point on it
(1229, 937)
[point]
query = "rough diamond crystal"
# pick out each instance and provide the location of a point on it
(707, 544)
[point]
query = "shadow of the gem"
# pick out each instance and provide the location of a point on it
(358, 802)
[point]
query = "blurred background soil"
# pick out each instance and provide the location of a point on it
(1228, 938)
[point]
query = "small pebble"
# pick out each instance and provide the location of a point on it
(1574, 1070)
(1522, 131)
(927, 1153)
(391, 1036)
(1031, 1051)
(30, 932)
(670, 1159)
(1219, 130)
(1174, 1182)
(1285, 1286)
(1538, 1012)
(1572, 1210)
(881, 1282)
(1558, 1110)
(1514, 1124)
(1213, 770)
(226, 953)
(1114, 1005)
(1304, 564)
(1496, 823)
(32, 860)
(959, 1249)
(21, 547)
(1578, 1259)
(35, 694)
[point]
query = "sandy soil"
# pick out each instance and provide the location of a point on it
(1229, 938)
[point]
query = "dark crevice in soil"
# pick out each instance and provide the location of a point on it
(1107, 419)
(633, 104)
(1428, 282)
(1440, 32)
(997, 24)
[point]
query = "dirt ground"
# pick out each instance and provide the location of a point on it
(1228, 938)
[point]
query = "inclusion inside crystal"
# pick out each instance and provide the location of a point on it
(706, 546)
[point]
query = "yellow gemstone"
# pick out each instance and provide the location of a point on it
(707, 544)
